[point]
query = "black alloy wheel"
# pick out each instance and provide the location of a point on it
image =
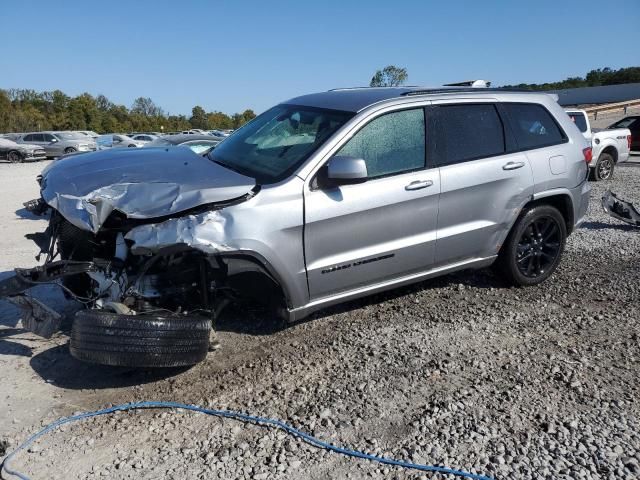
(539, 247)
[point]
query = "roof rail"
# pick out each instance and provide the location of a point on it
(428, 91)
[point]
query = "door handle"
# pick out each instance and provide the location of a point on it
(418, 184)
(512, 165)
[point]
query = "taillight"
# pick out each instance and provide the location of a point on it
(588, 154)
(629, 141)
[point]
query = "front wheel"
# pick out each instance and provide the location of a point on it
(14, 157)
(69, 150)
(139, 341)
(534, 246)
(604, 167)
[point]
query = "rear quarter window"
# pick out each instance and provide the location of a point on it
(533, 126)
(579, 120)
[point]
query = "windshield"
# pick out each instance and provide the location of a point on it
(276, 142)
(70, 136)
(579, 120)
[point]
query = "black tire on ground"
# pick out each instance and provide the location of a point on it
(15, 157)
(107, 338)
(534, 246)
(69, 150)
(604, 168)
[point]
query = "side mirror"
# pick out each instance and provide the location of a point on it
(54, 140)
(346, 171)
(104, 141)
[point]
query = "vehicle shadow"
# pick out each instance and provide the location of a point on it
(57, 367)
(609, 226)
(257, 320)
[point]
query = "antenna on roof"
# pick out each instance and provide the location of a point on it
(470, 83)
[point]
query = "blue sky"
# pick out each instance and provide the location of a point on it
(229, 56)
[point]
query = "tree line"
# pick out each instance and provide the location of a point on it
(23, 110)
(594, 78)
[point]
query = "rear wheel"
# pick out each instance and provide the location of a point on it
(604, 167)
(14, 157)
(534, 246)
(107, 338)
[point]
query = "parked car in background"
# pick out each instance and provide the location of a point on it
(609, 146)
(194, 131)
(144, 137)
(89, 133)
(117, 140)
(57, 144)
(219, 133)
(633, 124)
(12, 136)
(198, 143)
(16, 152)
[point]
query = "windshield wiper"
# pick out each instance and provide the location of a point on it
(225, 165)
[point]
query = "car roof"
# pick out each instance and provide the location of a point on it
(357, 99)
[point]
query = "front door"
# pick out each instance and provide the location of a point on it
(385, 228)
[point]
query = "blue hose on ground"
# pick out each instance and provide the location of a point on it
(236, 416)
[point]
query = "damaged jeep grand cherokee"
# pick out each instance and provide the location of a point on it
(321, 199)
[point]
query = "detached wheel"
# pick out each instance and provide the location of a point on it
(107, 338)
(534, 246)
(604, 167)
(14, 157)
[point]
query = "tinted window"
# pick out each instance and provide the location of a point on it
(38, 137)
(468, 132)
(48, 137)
(533, 126)
(27, 138)
(392, 143)
(631, 123)
(579, 120)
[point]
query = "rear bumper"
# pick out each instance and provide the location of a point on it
(580, 196)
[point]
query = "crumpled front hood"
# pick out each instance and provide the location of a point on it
(139, 182)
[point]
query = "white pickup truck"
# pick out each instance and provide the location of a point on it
(609, 146)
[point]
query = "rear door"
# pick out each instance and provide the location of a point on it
(360, 235)
(483, 186)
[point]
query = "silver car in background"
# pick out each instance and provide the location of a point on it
(57, 144)
(117, 140)
(18, 153)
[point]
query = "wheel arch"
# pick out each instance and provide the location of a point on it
(611, 150)
(252, 265)
(561, 201)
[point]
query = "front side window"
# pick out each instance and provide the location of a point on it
(27, 138)
(390, 144)
(275, 143)
(468, 132)
(48, 137)
(38, 137)
(533, 126)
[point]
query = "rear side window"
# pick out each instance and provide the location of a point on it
(579, 120)
(533, 126)
(468, 132)
(390, 144)
(38, 137)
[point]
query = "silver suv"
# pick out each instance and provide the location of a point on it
(321, 199)
(57, 144)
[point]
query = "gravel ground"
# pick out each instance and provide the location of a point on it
(535, 383)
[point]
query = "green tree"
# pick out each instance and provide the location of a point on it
(389, 76)
(199, 118)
